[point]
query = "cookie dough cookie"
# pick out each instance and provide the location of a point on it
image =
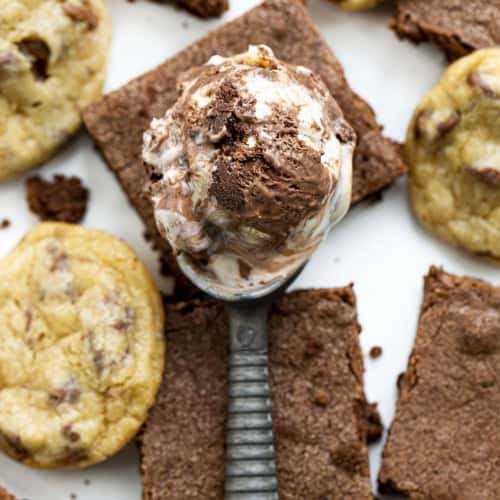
(52, 64)
(81, 347)
(453, 149)
(356, 4)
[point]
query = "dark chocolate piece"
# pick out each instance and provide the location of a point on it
(64, 199)
(444, 441)
(458, 26)
(315, 353)
(117, 121)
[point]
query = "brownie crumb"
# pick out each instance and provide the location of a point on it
(64, 199)
(399, 382)
(375, 352)
(374, 198)
(374, 426)
(86, 482)
(4, 223)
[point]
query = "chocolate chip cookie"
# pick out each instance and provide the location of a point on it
(453, 150)
(81, 346)
(52, 63)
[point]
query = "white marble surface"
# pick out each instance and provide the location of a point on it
(380, 247)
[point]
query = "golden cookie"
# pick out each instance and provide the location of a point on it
(52, 63)
(81, 346)
(453, 149)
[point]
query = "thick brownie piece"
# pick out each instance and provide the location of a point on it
(64, 199)
(205, 8)
(5, 495)
(457, 26)
(320, 411)
(118, 121)
(444, 443)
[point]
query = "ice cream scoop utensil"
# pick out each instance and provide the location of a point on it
(250, 453)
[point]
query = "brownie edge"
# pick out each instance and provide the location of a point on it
(319, 405)
(118, 120)
(456, 26)
(444, 441)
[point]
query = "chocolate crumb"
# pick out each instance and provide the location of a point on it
(87, 482)
(4, 224)
(375, 352)
(64, 199)
(73, 496)
(374, 198)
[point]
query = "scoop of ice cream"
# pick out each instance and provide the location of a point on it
(249, 170)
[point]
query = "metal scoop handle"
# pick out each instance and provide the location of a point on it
(250, 453)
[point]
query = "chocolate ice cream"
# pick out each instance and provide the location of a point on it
(249, 169)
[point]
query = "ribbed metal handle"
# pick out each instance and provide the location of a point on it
(250, 455)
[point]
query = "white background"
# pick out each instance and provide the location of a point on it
(379, 246)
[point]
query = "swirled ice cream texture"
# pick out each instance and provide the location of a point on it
(249, 169)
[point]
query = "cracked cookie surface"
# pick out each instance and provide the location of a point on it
(52, 64)
(453, 150)
(81, 346)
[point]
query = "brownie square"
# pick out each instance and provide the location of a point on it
(445, 441)
(5, 495)
(205, 8)
(320, 411)
(118, 121)
(458, 26)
